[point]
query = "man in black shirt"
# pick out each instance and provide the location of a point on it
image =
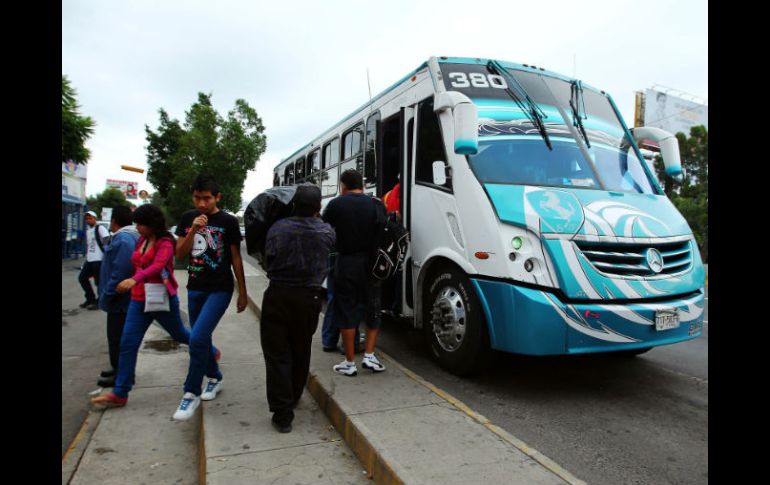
(212, 239)
(296, 254)
(356, 218)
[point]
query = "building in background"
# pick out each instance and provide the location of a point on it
(666, 108)
(73, 200)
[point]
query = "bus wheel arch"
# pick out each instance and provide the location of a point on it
(453, 322)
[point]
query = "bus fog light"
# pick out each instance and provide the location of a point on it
(512, 256)
(528, 265)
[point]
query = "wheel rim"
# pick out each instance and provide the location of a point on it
(448, 319)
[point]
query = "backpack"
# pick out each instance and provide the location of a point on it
(392, 242)
(99, 238)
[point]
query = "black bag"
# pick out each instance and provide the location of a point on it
(392, 243)
(262, 212)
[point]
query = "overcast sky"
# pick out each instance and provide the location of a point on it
(302, 64)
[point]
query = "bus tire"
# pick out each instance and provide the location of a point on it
(454, 326)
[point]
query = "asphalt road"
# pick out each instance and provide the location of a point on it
(606, 420)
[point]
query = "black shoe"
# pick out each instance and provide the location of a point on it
(93, 306)
(106, 381)
(84, 304)
(282, 428)
(331, 349)
(108, 372)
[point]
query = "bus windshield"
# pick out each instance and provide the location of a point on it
(590, 147)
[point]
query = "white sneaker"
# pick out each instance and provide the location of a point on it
(187, 407)
(371, 362)
(346, 368)
(212, 388)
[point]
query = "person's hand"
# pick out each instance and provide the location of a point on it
(125, 285)
(199, 222)
(242, 301)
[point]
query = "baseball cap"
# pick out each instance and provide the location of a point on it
(91, 213)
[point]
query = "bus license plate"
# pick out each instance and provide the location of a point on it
(666, 319)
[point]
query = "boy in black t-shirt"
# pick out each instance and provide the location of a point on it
(212, 239)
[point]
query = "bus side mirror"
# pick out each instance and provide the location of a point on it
(439, 173)
(669, 147)
(466, 120)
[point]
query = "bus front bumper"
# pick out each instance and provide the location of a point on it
(536, 322)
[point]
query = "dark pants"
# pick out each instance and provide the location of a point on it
(289, 320)
(115, 324)
(89, 270)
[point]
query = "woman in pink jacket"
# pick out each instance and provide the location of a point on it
(153, 262)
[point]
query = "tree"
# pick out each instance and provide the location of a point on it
(689, 192)
(109, 198)
(75, 129)
(226, 148)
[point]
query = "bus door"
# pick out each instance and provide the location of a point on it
(395, 150)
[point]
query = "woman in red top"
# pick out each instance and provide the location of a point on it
(153, 262)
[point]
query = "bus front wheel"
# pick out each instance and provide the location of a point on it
(453, 323)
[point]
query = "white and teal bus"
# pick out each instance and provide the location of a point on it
(536, 226)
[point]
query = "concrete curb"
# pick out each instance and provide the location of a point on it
(377, 465)
(380, 467)
(77, 448)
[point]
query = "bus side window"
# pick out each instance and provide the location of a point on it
(370, 152)
(276, 179)
(430, 144)
(299, 169)
(331, 154)
(288, 177)
(351, 149)
(313, 166)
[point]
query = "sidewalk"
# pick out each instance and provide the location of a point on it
(392, 427)
(229, 440)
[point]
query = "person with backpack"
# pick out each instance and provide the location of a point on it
(95, 235)
(358, 220)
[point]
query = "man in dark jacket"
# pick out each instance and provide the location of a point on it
(116, 267)
(296, 255)
(356, 218)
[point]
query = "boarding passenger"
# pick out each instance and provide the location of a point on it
(356, 218)
(296, 259)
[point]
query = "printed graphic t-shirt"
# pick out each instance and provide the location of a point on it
(210, 258)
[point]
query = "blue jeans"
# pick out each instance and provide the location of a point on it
(330, 335)
(137, 323)
(205, 308)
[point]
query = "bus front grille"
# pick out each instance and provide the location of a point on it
(631, 259)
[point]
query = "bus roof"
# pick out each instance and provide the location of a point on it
(441, 60)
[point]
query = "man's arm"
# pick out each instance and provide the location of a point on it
(237, 262)
(184, 243)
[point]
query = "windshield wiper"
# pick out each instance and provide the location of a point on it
(578, 106)
(522, 99)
